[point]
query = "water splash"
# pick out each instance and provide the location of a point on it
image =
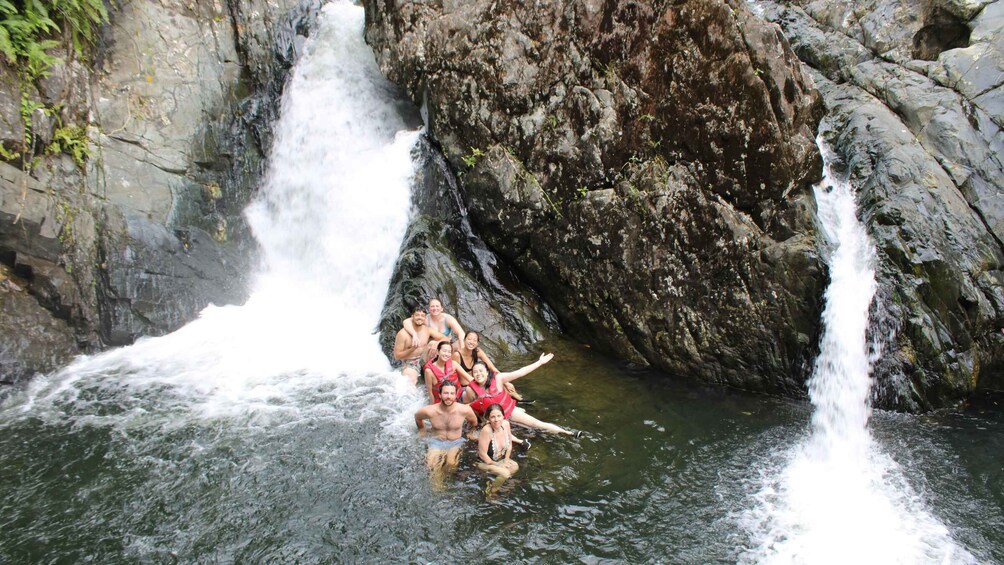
(330, 219)
(839, 498)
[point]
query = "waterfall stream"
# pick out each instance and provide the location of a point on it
(840, 497)
(332, 213)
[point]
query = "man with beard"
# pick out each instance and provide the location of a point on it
(410, 351)
(446, 436)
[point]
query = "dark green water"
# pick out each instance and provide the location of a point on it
(124, 466)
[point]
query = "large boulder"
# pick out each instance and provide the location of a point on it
(644, 166)
(916, 111)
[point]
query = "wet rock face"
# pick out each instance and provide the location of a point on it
(34, 339)
(942, 32)
(178, 104)
(644, 165)
(916, 102)
(442, 258)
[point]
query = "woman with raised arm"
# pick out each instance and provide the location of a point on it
(484, 391)
(467, 353)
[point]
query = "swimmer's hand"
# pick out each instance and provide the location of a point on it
(414, 340)
(545, 357)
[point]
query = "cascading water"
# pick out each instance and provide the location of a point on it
(840, 499)
(330, 220)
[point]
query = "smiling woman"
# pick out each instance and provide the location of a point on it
(484, 391)
(495, 448)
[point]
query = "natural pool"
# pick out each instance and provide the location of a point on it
(111, 465)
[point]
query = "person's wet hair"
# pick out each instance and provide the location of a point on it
(439, 347)
(495, 406)
(417, 308)
(445, 384)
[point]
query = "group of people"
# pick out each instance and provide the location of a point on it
(463, 385)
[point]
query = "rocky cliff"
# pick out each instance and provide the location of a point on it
(644, 165)
(442, 257)
(135, 239)
(915, 93)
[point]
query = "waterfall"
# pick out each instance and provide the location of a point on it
(838, 497)
(330, 219)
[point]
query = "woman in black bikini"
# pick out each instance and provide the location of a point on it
(467, 353)
(495, 448)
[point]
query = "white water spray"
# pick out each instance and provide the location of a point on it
(840, 499)
(330, 220)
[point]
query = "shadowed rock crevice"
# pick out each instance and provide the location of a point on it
(942, 31)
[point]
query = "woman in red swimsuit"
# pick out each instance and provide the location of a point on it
(483, 391)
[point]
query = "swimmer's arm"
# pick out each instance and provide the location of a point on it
(455, 326)
(508, 430)
(484, 440)
(472, 418)
(437, 335)
(524, 371)
(429, 380)
(410, 328)
(420, 417)
(402, 350)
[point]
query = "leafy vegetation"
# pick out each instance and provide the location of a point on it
(73, 141)
(471, 159)
(30, 29)
(30, 33)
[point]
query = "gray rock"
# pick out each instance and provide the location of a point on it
(922, 143)
(34, 340)
(442, 258)
(150, 231)
(11, 125)
(644, 166)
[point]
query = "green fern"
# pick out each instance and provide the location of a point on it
(26, 34)
(72, 140)
(30, 33)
